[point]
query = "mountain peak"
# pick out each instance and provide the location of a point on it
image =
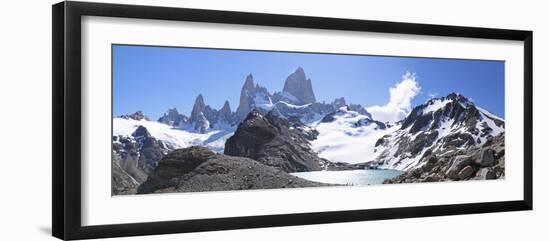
(455, 96)
(198, 108)
(138, 115)
(226, 109)
(225, 113)
(249, 82)
(300, 87)
(172, 110)
(226, 105)
(252, 95)
(172, 117)
(454, 107)
(199, 99)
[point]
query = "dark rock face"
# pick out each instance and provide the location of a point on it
(137, 155)
(121, 182)
(274, 141)
(138, 115)
(196, 169)
(300, 87)
(477, 163)
(151, 150)
(173, 118)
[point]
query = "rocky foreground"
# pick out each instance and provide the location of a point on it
(481, 163)
(197, 169)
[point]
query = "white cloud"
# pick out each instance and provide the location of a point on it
(400, 100)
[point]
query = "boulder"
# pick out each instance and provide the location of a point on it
(499, 172)
(432, 159)
(485, 157)
(458, 163)
(499, 152)
(501, 163)
(486, 173)
(466, 172)
(432, 178)
(427, 167)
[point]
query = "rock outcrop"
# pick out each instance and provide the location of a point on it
(275, 142)
(121, 182)
(138, 154)
(197, 169)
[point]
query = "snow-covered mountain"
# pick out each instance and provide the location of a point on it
(175, 137)
(441, 125)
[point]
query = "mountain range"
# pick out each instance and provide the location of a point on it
(293, 132)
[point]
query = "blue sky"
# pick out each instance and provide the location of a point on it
(154, 79)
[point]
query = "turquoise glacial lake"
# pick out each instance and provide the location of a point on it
(350, 177)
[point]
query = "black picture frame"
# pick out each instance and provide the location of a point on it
(66, 75)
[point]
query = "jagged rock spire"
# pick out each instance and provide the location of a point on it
(225, 113)
(300, 87)
(198, 108)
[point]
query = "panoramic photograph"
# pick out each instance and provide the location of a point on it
(200, 120)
